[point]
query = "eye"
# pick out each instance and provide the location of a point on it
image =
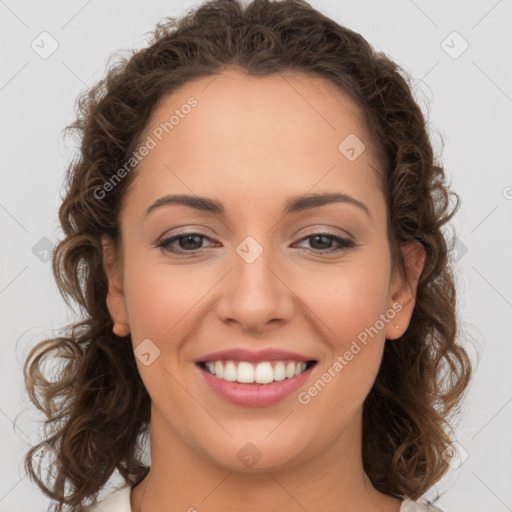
(188, 242)
(323, 243)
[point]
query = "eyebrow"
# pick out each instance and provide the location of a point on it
(292, 205)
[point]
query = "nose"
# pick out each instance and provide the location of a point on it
(255, 294)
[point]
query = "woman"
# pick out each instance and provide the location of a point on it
(253, 232)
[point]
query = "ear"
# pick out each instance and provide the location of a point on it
(403, 288)
(115, 296)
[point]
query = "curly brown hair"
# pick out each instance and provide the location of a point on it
(98, 409)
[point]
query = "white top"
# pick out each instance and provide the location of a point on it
(119, 501)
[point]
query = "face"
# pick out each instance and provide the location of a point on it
(264, 270)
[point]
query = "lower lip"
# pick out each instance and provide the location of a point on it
(255, 395)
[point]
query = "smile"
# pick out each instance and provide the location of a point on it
(255, 384)
(264, 372)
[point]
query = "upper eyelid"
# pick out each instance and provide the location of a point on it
(317, 231)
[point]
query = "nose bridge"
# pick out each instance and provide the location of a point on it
(253, 261)
(255, 294)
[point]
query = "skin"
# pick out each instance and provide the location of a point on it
(252, 143)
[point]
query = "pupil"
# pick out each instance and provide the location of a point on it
(189, 237)
(317, 237)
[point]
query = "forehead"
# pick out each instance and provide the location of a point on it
(255, 139)
(235, 105)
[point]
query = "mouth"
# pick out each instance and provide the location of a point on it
(255, 378)
(251, 372)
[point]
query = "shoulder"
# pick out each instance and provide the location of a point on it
(421, 505)
(117, 501)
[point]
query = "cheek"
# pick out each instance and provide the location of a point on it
(354, 337)
(347, 299)
(162, 299)
(347, 303)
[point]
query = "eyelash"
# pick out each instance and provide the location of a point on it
(345, 244)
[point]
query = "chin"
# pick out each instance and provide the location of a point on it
(259, 455)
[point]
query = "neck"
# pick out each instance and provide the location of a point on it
(181, 479)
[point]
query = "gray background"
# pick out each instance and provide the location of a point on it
(466, 96)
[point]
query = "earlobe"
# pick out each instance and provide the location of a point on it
(403, 288)
(115, 295)
(121, 330)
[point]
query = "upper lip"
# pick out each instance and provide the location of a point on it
(252, 356)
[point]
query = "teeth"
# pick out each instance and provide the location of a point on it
(230, 371)
(219, 369)
(245, 372)
(211, 367)
(261, 373)
(264, 373)
(279, 371)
